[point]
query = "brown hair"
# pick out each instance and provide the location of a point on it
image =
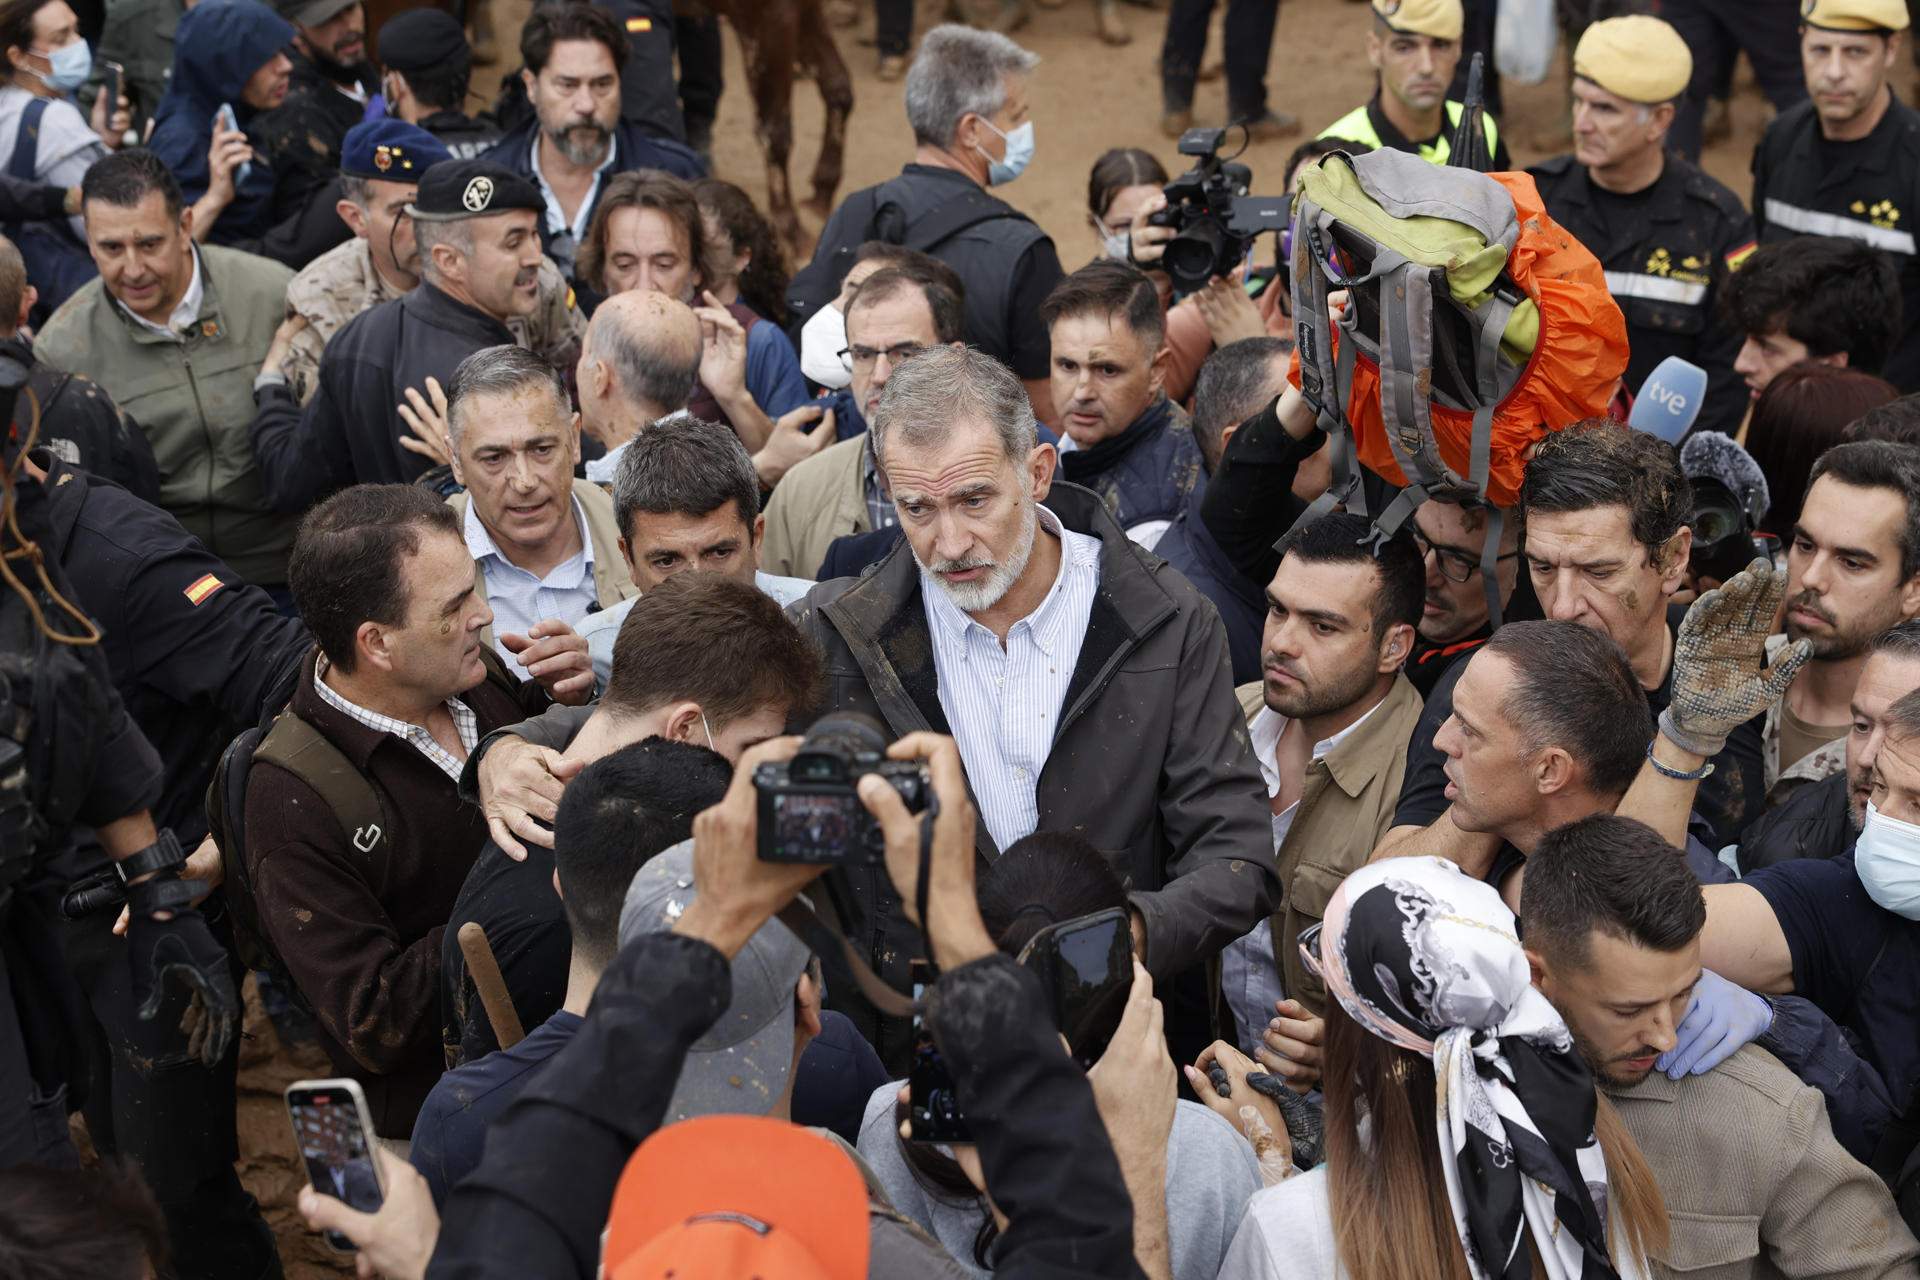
(1601, 463)
(347, 562)
(1803, 412)
(763, 285)
(551, 23)
(645, 189)
(949, 312)
(1388, 1195)
(715, 641)
(1109, 288)
(1115, 171)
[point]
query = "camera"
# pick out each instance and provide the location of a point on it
(1214, 218)
(1724, 536)
(809, 811)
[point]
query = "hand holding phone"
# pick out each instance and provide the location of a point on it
(226, 147)
(334, 1135)
(933, 1104)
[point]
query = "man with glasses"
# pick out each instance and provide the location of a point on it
(894, 314)
(1452, 539)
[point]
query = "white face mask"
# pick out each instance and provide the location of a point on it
(1118, 244)
(1887, 860)
(822, 338)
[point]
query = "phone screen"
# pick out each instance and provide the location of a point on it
(1092, 974)
(331, 1132)
(933, 1105)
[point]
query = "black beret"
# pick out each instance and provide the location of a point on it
(422, 39)
(455, 189)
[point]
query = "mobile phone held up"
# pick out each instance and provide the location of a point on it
(334, 1135)
(228, 120)
(933, 1105)
(1086, 968)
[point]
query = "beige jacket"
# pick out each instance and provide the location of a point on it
(611, 580)
(1756, 1185)
(816, 502)
(341, 283)
(1345, 807)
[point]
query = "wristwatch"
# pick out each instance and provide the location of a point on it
(164, 854)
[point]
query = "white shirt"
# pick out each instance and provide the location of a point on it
(602, 628)
(1004, 704)
(556, 216)
(181, 321)
(465, 723)
(519, 599)
(600, 470)
(1249, 971)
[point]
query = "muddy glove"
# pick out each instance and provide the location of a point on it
(1719, 678)
(1722, 1017)
(180, 949)
(1305, 1124)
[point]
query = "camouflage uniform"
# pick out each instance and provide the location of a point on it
(341, 283)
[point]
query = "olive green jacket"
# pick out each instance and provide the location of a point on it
(194, 399)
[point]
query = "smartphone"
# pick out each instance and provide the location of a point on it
(114, 81)
(933, 1105)
(228, 120)
(334, 1135)
(1086, 967)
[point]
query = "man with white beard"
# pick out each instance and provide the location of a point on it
(1088, 688)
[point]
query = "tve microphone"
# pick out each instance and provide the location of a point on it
(1669, 400)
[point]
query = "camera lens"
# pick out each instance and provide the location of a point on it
(1192, 258)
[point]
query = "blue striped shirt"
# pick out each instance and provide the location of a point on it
(1004, 704)
(518, 598)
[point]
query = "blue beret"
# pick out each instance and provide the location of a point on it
(389, 150)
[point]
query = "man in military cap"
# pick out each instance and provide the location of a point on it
(326, 96)
(1666, 233)
(1847, 162)
(1414, 46)
(476, 228)
(426, 65)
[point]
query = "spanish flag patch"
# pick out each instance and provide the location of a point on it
(639, 24)
(1739, 256)
(201, 588)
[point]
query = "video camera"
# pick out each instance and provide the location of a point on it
(1214, 218)
(809, 810)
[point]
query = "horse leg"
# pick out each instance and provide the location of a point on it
(816, 48)
(768, 54)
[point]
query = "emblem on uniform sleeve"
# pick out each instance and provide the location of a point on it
(478, 195)
(1660, 263)
(201, 588)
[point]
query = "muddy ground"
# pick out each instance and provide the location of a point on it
(1087, 97)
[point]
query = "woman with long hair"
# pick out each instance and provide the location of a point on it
(1805, 411)
(1464, 1137)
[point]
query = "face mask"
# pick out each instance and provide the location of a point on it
(822, 338)
(709, 729)
(1117, 243)
(1887, 860)
(1019, 154)
(72, 65)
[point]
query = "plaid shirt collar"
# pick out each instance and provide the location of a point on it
(465, 723)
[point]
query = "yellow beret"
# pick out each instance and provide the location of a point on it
(1638, 57)
(1855, 15)
(1441, 19)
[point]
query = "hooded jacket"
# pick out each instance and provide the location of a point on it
(219, 45)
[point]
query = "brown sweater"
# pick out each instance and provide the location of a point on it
(360, 933)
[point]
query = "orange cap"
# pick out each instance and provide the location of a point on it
(727, 1196)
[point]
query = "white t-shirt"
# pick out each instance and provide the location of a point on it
(1287, 1234)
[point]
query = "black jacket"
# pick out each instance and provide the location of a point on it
(1189, 546)
(80, 423)
(465, 137)
(196, 653)
(1666, 266)
(349, 433)
(1813, 822)
(538, 1203)
(303, 134)
(1867, 191)
(1145, 473)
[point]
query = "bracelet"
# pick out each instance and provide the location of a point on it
(1678, 775)
(164, 854)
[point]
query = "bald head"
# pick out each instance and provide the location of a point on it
(641, 357)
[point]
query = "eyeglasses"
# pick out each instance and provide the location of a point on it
(1455, 564)
(864, 357)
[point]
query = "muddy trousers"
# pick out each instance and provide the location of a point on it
(151, 1104)
(1248, 41)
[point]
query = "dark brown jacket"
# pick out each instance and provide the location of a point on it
(360, 932)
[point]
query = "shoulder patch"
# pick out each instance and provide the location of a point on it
(202, 588)
(1736, 258)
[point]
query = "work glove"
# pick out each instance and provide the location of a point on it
(180, 949)
(1306, 1125)
(1721, 1018)
(1720, 680)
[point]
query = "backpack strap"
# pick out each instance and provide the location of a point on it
(944, 221)
(26, 143)
(306, 753)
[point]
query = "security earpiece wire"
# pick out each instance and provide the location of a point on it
(26, 549)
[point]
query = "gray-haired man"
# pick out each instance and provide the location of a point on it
(967, 100)
(639, 364)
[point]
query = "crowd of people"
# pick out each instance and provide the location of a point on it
(453, 560)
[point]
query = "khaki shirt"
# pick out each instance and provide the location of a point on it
(341, 283)
(1756, 1184)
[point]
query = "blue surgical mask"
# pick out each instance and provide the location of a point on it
(1887, 860)
(1019, 154)
(72, 65)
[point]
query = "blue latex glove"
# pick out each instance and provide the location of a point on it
(1722, 1017)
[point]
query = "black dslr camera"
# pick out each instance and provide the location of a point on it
(809, 811)
(1214, 217)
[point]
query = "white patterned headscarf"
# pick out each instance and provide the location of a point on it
(1428, 959)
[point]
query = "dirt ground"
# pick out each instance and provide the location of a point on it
(1087, 96)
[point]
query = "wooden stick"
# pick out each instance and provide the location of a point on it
(485, 972)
